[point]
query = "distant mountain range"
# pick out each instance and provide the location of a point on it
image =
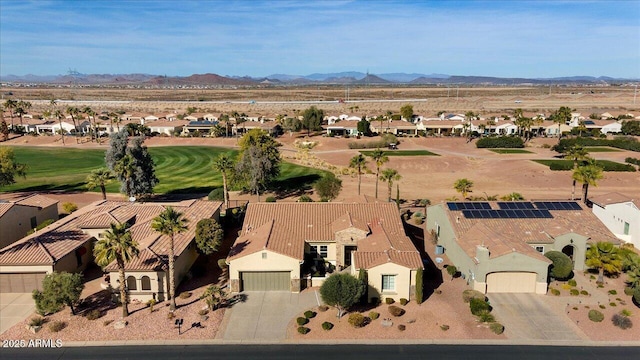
(341, 78)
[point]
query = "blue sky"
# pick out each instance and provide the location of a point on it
(179, 38)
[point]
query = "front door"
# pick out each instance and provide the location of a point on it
(347, 254)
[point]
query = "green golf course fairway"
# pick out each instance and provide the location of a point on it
(180, 169)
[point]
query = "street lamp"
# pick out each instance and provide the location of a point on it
(178, 324)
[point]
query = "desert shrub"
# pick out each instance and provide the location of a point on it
(171, 315)
(302, 320)
(477, 306)
(572, 282)
(626, 312)
(596, 316)
(389, 301)
(185, 295)
(469, 294)
(401, 327)
(42, 225)
(216, 194)
(270, 199)
(57, 326)
(374, 315)
(555, 292)
(403, 301)
(396, 311)
(636, 295)
(36, 321)
(631, 160)
(452, 271)
(323, 308)
(418, 220)
(621, 321)
(444, 327)
(356, 320)
(309, 314)
(625, 143)
(486, 317)
(107, 322)
(203, 312)
(496, 328)
(303, 330)
(612, 304)
(584, 292)
(327, 326)
(305, 198)
(500, 142)
(93, 314)
(574, 292)
(575, 308)
(562, 266)
(628, 290)
(602, 306)
(69, 207)
(613, 292)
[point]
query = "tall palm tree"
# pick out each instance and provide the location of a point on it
(117, 244)
(358, 162)
(469, 115)
(224, 164)
(170, 223)
(92, 122)
(380, 159)
(390, 175)
(587, 175)
(74, 112)
(463, 186)
(11, 106)
(59, 115)
(561, 116)
(22, 108)
(604, 257)
(576, 153)
(100, 178)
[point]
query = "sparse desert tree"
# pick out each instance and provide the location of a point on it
(209, 235)
(9, 167)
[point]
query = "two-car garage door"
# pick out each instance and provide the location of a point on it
(266, 281)
(511, 282)
(21, 282)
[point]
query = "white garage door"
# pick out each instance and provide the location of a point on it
(21, 282)
(511, 282)
(266, 281)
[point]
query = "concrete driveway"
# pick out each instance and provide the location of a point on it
(265, 314)
(14, 307)
(529, 317)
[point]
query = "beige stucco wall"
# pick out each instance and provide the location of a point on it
(331, 250)
(255, 262)
(579, 244)
(26, 269)
(69, 263)
(16, 222)
(403, 284)
(158, 285)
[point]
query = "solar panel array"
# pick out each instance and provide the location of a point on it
(507, 214)
(516, 205)
(456, 206)
(557, 205)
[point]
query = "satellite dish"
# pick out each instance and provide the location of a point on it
(132, 199)
(439, 260)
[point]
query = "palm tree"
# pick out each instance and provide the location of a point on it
(587, 175)
(380, 159)
(224, 164)
(100, 178)
(390, 175)
(117, 244)
(58, 115)
(74, 112)
(576, 153)
(11, 106)
(514, 196)
(22, 108)
(605, 257)
(469, 115)
(170, 222)
(125, 168)
(213, 295)
(561, 116)
(358, 162)
(92, 121)
(463, 186)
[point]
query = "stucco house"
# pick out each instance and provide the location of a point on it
(286, 246)
(67, 245)
(498, 246)
(614, 127)
(620, 214)
(344, 127)
(170, 128)
(19, 216)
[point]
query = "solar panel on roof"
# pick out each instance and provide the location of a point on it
(557, 205)
(452, 206)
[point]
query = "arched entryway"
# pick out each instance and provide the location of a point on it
(569, 251)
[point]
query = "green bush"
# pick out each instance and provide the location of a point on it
(216, 194)
(374, 315)
(621, 321)
(57, 326)
(327, 326)
(419, 286)
(270, 199)
(574, 292)
(396, 311)
(612, 304)
(357, 320)
(403, 301)
(444, 327)
(596, 316)
(389, 301)
(93, 314)
(631, 160)
(469, 294)
(42, 225)
(69, 207)
(36, 321)
(309, 314)
(554, 291)
(509, 142)
(562, 266)
(497, 328)
(628, 290)
(302, 321)
(477, 306)
(584, 292)
(602, 306)
(305, 198)
(613, 292)
(401, 327)
(572, 282)
(303, 330)
(323, 308)
(486, 317)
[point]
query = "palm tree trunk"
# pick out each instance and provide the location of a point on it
(377, 176)
(390, 186)
(224, 189)
(359, 180)
(61, 130)
(172, 278)
(104, 191)
(585, 188)
(123, 291)
(573, 191)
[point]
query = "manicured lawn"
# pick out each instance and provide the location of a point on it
(565, 165)
(510, 151)
(601, 149)
(180, 169)
(402, 153)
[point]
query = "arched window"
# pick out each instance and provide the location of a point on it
(132, 283)
(146, 283)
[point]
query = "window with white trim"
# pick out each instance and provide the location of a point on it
(388, 282)
(323, 251)
(540, 249)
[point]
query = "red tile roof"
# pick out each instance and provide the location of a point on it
(614, 198)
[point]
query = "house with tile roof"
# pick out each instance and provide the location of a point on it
(19, 216)
(498, 249)
(67, 245)
(620, 214)
(287, 246)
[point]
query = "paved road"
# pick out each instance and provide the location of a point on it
(324, 352)
(14, 307)
(527, 316)
(266, 314)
